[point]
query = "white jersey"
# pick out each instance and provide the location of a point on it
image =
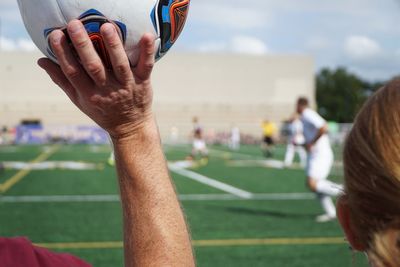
(235, 134)
(312, 122)
(199, 144)
(296, 133)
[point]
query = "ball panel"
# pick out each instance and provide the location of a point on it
(178, 14)
(169, 17)
(134, 14)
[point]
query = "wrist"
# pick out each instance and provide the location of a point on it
(141, 133)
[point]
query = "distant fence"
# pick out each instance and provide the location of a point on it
(38, 134)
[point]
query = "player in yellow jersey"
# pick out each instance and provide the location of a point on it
(269, 131)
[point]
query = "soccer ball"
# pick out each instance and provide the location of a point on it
(132, 18)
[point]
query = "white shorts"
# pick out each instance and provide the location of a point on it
(319, 164)
(199, 145)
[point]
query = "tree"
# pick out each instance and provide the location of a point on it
(340, 94)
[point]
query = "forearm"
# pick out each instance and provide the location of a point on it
(155, 231)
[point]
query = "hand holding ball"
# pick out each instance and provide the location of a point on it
(165, 19)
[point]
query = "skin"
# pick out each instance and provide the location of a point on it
(311, 182)
(119, 100)
(343, 212)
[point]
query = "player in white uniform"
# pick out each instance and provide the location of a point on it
(296, 143)
(199, 144)
(234, 143)
(3, 135)
(319, 159)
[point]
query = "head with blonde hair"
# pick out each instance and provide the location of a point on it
(369, 212)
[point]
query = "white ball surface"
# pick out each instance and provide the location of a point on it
(163, 18)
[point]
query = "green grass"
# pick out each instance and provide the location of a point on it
(60, 222)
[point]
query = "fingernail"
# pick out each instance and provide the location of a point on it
(56, 37)
(74, 27)
(108, 30)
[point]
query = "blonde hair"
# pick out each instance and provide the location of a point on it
(372, 175)
(385, 252)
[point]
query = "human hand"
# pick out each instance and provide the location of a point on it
(118, 100)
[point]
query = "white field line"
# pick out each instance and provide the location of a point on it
(184, 197)
(211, 182)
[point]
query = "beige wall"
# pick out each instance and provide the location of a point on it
(221, 89)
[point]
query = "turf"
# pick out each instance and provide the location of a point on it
(70, 222)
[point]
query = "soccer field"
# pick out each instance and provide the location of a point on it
(240, 211)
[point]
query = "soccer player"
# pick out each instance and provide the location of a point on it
(319, 159)
(199, 146)
(118, 100)
(295, 143)
(234, 142)
(269, 130)
(3, 134)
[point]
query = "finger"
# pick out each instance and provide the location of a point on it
(58, 77)
(69, 64)
(90, 60)
(117, 54)
(146, 58)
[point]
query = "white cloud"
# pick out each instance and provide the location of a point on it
(26, 45)
(213, 46)
(362, 47)
(248, 45)
(238, 44)
(7, 45)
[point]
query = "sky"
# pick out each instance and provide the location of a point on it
(361, 35)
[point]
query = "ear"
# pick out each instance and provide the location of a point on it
(343, 212)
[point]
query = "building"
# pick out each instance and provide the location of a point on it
(222, 90)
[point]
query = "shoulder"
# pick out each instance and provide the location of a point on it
(310, 114)
(312, 117)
